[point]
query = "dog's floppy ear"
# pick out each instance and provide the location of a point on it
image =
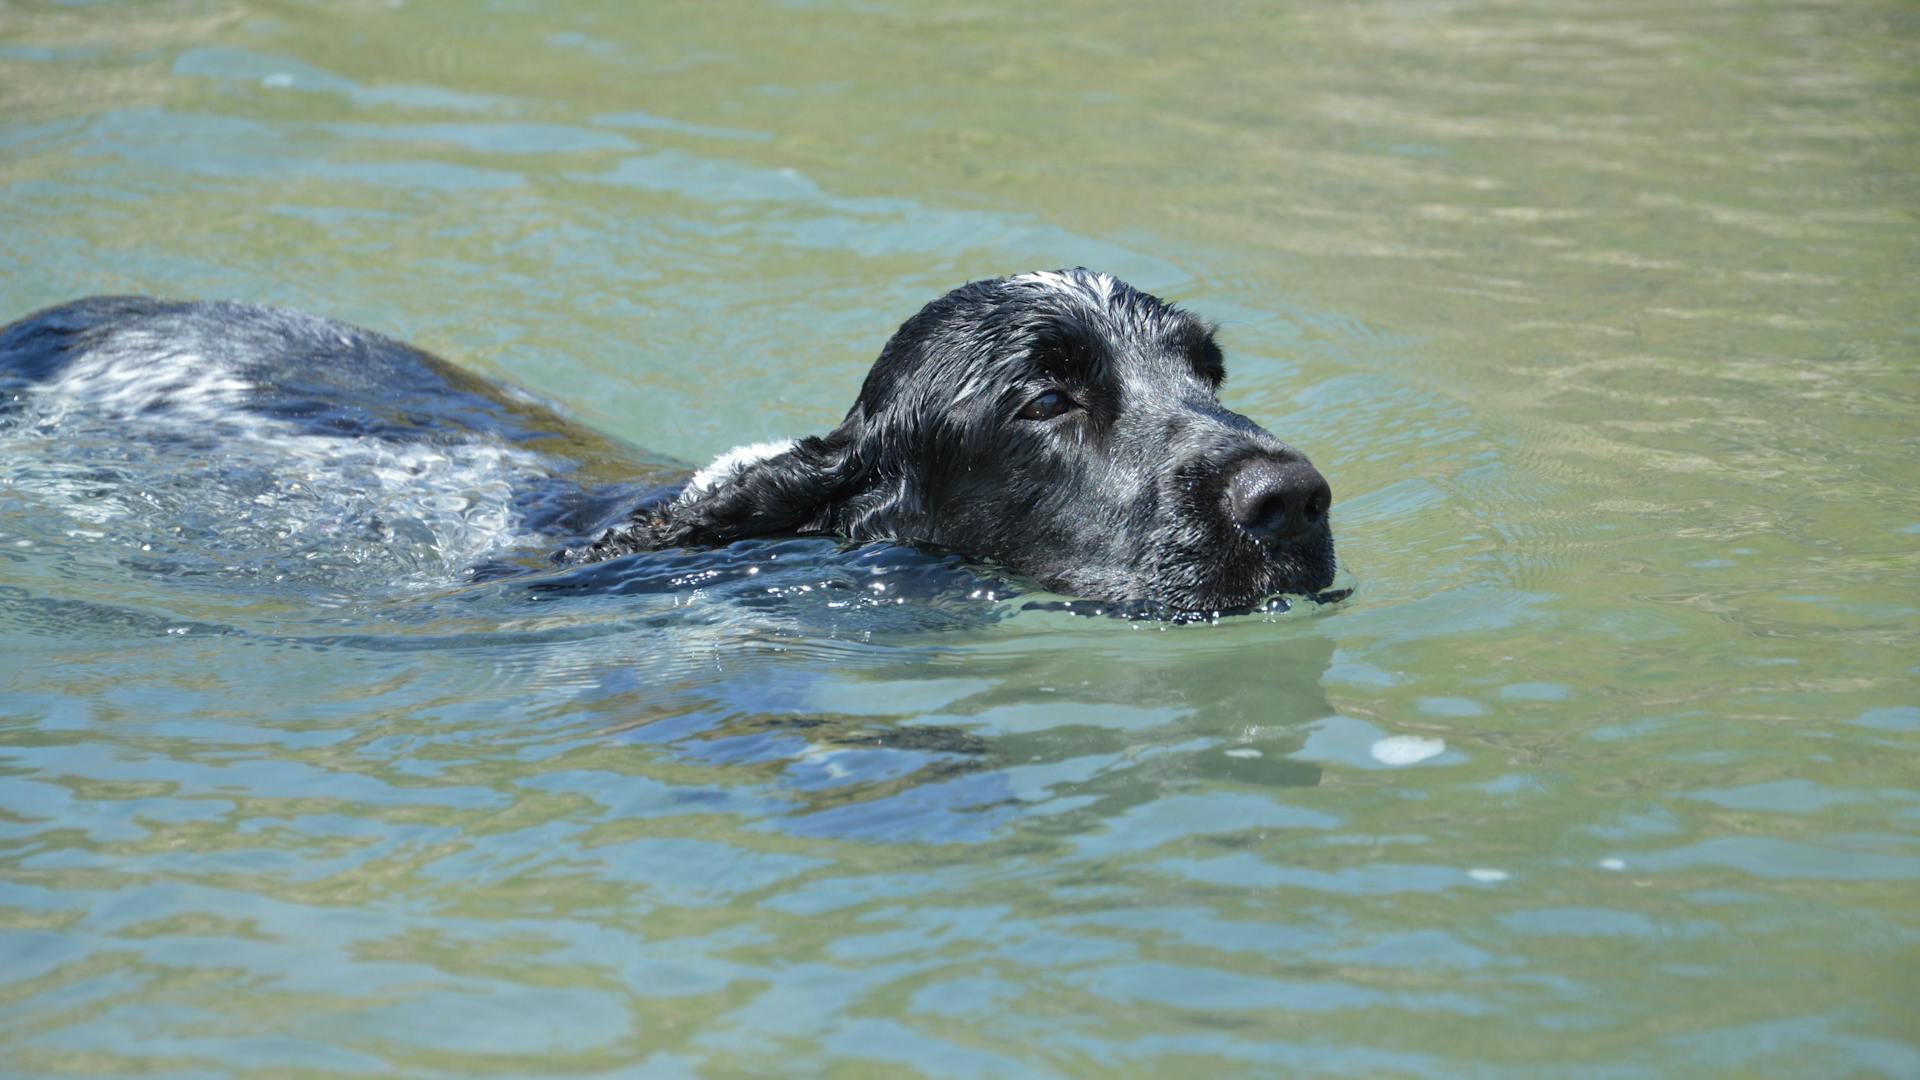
(817, 485)
(766, 489)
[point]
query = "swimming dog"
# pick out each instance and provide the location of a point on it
(1063, 424)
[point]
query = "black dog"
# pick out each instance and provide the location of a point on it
(1063, 424)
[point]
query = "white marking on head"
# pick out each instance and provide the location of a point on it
(1091, 284)
(728, 465)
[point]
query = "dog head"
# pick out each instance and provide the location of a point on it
(1063, 424)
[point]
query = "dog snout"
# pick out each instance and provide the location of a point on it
(1277, 499)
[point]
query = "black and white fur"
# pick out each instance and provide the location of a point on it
(1063, 424)
(1131, 481)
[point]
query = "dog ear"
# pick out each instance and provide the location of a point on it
(817, 485)
(764, 490)
(835, 484)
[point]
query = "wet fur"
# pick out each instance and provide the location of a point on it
(1122, 499)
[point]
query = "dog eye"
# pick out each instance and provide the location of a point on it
(1047, 406)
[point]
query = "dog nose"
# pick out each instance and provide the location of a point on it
(1278, 499)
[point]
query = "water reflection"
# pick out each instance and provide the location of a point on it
(1593, 314)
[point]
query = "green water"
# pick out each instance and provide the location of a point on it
(1599, 317)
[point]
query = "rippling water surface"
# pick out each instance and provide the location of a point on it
(1599, 316)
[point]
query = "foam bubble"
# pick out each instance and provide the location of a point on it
(1407, 749)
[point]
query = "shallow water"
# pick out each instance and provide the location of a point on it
(1598, 316)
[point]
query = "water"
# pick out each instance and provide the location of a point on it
(1598, 317)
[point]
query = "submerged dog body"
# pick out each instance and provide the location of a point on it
(1063, 424)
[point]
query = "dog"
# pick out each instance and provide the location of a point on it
(1061, 424)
